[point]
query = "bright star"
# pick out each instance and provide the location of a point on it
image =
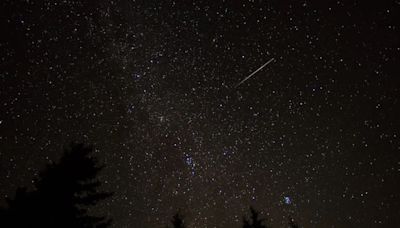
(287, 200)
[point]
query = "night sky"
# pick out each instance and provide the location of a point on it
(314, 135)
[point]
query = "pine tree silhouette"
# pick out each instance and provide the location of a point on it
(177, 221)
(62, 196)
(255, 221)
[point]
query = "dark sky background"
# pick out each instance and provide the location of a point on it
(314, 135)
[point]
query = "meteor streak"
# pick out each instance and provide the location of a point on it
(245, 79)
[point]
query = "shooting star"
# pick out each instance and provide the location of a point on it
(245, 79)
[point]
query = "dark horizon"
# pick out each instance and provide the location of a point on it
(184, 112)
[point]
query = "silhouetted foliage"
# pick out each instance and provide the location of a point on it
(255, 221)
(177, 221)
(62, 196)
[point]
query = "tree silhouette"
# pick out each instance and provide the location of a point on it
(62, 196)
(255, 221)
(177, 221)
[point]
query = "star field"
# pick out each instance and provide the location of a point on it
(314, 135)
